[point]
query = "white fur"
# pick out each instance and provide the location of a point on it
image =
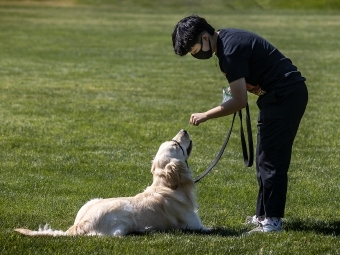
(169, 203)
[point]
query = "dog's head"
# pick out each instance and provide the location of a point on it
(169, 167)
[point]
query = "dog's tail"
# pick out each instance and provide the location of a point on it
(43, 231)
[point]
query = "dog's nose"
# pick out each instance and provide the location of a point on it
(184, 131)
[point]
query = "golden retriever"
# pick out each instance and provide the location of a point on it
(169, 203)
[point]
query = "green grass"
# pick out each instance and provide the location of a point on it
(89, 92)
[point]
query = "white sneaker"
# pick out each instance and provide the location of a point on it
(254, 220)
(268, 225)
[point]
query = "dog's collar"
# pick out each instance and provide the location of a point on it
(179, 146)
(182, 150)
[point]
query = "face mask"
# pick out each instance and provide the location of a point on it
(203, 54)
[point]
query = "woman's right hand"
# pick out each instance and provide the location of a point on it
(198, 118)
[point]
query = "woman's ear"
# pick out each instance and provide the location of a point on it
(206, 37)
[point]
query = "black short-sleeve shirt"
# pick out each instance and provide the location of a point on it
(245, 54)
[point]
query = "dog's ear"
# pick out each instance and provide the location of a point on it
(153, 167)
(171, 173)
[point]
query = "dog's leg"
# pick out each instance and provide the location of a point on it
(193, 222)
(82, 228)
(119, 230)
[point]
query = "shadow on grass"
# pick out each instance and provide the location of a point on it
(217, 231)
(309, 225)
(225, 232)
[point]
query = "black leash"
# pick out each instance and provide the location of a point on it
(248, 158)
(248, 161)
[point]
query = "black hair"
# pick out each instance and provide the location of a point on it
(187, 31)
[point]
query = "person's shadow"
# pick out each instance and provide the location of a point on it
(308, 225)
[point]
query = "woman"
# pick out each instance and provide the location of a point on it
(252, 64)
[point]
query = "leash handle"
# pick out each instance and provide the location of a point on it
(248, 161)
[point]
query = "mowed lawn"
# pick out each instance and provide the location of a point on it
(88, 93)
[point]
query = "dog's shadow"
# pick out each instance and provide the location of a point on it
(219, 231)
(225, 232)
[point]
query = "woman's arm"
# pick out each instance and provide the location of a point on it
(237, 102)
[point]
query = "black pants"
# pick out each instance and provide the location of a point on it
(281, 110)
